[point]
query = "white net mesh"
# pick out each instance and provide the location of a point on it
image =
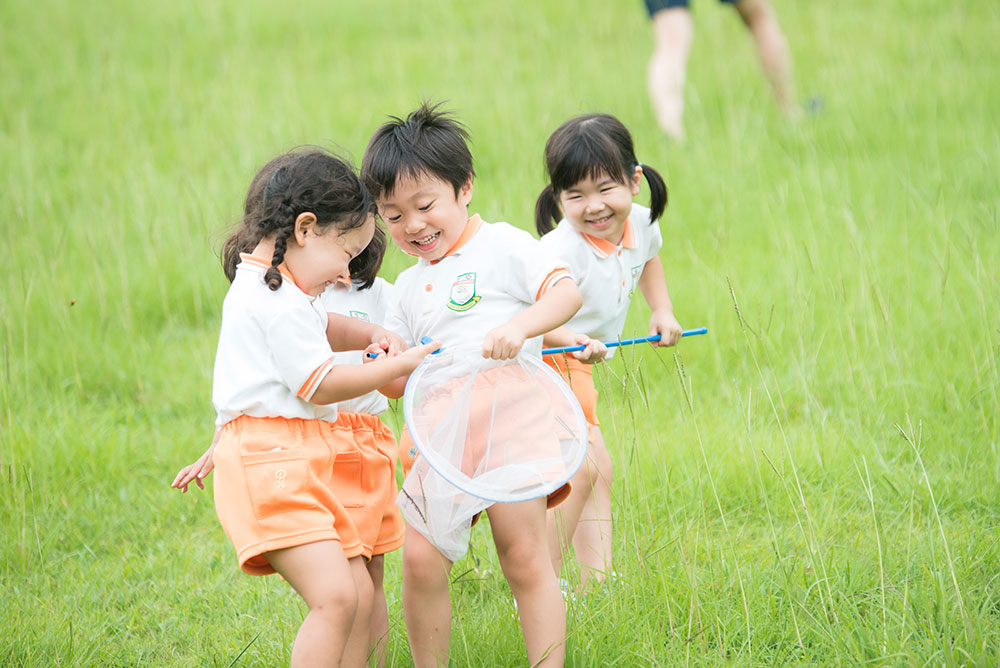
(487, 431)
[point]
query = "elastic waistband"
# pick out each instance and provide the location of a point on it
(360, 421)
(281, 425)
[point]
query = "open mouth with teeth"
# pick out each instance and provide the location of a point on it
(601, 223)
(426, 243)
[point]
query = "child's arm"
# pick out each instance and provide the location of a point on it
(393, 389)
(346, 381)
(653, 286)
(553, 309)
(346, 333)
(200, 469)
(564, 337)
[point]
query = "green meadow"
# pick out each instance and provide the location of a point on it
(814, 483)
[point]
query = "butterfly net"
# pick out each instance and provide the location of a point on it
(487, 431)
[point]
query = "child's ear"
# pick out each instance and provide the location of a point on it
(465, 193)
(636, 181)
(306, 221)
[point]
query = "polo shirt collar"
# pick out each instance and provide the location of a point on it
(473, 225)
(604, 248)
(256, 262)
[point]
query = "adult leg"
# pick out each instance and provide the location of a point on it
(520, 537)
(378, 629)
(592, 540)
(772, 51)
(673, 32)
(322, 576)
(426, 600)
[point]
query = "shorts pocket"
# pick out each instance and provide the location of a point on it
(347, 470)
(277, 483)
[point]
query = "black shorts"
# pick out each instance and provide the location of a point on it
(653, 6)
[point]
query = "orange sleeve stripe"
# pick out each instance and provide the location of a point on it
(315, 378)
(550, 280)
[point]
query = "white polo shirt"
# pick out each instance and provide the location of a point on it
(493, 272)
(273, 351)
(606, 274)
(370, 305)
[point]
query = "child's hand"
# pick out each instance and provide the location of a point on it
(503, 343)
(391, 342)
(373, 352)
(665, 324)
(593, 353)
(195, 472)
(412, 357)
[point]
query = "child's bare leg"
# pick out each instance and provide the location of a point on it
(356, 653)
(520, 537)
(673, 32)
(562, 520)
(322, 576)
(426, 600)
(592, 539)
(772, 51)
(378, 629)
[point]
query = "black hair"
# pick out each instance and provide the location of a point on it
(428, 142)
(246, 237)
(587, 147)
(310, 180)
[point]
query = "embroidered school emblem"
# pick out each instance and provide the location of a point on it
(360, 315)
(636, 275)
(463, 293)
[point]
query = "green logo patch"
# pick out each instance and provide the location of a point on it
(463, 293)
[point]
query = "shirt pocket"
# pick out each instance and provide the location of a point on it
(278, 482)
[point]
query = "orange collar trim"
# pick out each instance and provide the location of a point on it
(604, 248)
(261, 264)
(473, 225)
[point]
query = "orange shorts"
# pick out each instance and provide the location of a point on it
(580, 378)
(379, 520)
(281, 483)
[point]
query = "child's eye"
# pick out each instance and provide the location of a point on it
(426, 206)
(391, 219)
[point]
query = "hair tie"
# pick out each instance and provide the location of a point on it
(638, 164)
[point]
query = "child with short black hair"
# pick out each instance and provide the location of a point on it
(473, 281)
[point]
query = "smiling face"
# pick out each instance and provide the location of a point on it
(599, 205)
(424, 216)
(319, 256)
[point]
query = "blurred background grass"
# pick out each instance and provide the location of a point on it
(814, 483)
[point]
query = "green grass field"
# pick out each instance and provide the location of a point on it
(817, 482)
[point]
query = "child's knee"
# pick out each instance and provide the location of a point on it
(340, 599)
(423, 565)
(599, 466)
(524, 563)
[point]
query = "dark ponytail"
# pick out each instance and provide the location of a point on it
(273, 276)
(279, 220)
(248, 234)
(547, 211)
(311, 181)
(243, 240)
(657, 193)
(364, 268)
(586, 147)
